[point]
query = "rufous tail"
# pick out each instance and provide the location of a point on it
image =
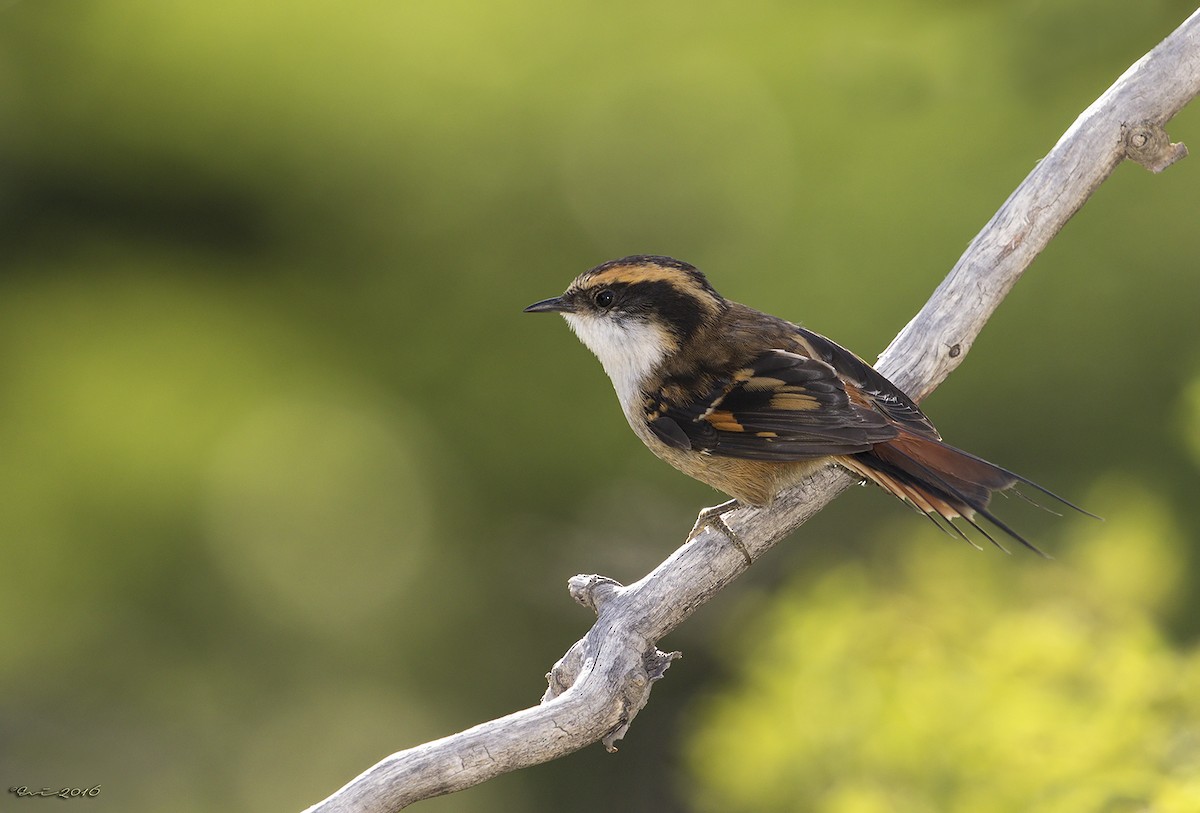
(942, 481)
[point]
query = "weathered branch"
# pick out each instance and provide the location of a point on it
(604, 679)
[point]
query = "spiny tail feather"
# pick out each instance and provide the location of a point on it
(944, 483)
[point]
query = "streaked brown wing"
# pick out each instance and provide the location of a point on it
(782, 407)
(870, 385)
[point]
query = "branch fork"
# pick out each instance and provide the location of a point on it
(632, 691)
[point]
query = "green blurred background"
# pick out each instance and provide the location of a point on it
(290, 483)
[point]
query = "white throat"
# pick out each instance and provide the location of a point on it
(629, 349)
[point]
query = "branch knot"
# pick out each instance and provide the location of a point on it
(636, 692)
(1148, 144)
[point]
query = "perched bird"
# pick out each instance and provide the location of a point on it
(750, 403)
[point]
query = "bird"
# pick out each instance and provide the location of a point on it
(751, 404)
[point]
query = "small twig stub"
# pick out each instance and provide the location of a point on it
(1148, 144)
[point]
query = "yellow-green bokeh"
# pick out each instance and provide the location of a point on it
(925, 682)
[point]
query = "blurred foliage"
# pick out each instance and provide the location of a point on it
(289, 483)
(923, 682)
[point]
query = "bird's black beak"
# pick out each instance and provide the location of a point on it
(558, 304)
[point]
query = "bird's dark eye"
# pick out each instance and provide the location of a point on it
(604, 298)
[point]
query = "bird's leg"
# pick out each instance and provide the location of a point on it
(714, 517)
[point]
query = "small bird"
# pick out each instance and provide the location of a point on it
(751, 404)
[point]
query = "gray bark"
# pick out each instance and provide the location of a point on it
(604, 679)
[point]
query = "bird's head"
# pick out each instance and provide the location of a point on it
(634, 312)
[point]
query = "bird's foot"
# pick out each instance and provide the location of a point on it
(714, 517)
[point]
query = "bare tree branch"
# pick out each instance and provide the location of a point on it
(604, 679)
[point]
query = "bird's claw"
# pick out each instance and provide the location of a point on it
(714, 517)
